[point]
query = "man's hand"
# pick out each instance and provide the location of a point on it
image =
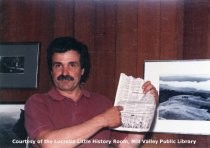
(148, 87)
(112, 117)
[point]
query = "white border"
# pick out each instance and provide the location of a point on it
(153, 69)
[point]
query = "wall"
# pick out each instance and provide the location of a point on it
(120, 34)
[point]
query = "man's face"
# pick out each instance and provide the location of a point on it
(66, 70)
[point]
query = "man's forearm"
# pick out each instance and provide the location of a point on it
(76, 133)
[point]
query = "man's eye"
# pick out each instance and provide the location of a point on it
(57, 65)
(73, 64)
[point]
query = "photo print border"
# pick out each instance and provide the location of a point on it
(184, 95)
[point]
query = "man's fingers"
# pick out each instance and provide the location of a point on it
(120, 108)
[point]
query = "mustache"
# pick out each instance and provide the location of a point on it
(65, 77)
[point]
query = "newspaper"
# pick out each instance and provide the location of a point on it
(138, 108)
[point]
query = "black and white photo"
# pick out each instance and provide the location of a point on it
(184, 95)
(14, 64)
(12, 125)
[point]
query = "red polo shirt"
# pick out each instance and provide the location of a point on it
(52, 111)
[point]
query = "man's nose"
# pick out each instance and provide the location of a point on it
(65, 70)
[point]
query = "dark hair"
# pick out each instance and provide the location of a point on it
(64, 44)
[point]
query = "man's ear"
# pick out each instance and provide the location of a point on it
(83, 71)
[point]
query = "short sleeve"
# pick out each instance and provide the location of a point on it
(36, 116)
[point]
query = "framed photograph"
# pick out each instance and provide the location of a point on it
(19, 65)
(184, 95)
(12, 125)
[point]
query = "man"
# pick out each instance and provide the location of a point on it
(68, 115)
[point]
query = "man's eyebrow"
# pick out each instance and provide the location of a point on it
(73, 62)
(70, 62)
(55, 62)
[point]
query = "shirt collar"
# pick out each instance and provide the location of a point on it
(54, 94)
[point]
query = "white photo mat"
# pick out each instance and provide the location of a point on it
(188, 109)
